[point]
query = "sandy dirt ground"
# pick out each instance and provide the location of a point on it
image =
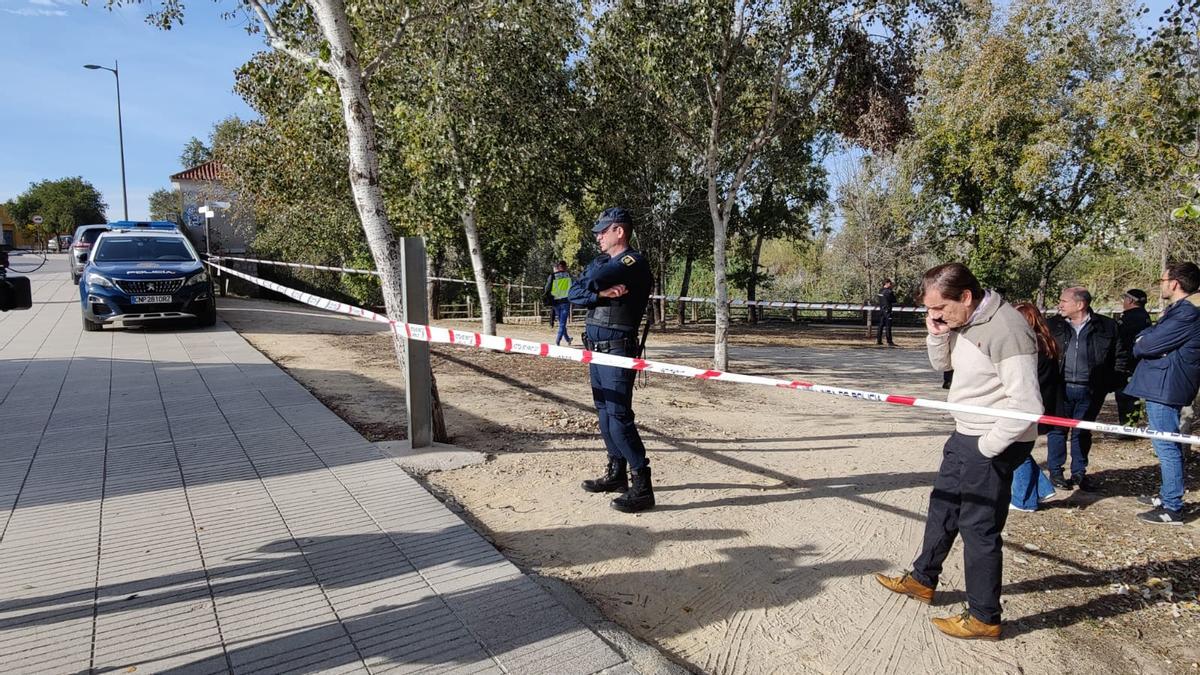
(774, 506)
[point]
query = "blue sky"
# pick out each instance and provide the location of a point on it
(59, 119)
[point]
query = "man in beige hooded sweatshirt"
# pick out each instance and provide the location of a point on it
(993, 353)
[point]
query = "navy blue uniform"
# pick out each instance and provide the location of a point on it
(612, 325)
(887, 298)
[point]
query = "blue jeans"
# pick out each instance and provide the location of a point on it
(562, 312)
(1170, 454)
(1030, 485)
(1079, 404)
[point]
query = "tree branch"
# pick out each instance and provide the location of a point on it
(390, 46)
(277, 42)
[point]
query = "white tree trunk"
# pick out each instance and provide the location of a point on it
(720, 227)
(364, 166)
(471, 228)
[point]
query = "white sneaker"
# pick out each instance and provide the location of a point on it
(1014, 507)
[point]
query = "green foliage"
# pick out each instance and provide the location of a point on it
(480, 115)
(570, 238)
(1014, 144)
(166, 204)
(1036, 148)
(195, 153)
(63, 204)
(880, 235)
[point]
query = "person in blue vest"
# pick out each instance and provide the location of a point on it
(558, 284)
(615, 288)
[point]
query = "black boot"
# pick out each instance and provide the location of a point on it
(613, 480)
(640, 497)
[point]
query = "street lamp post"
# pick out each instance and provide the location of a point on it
(120, 130)
(208, 211)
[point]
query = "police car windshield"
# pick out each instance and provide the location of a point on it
(142, 249)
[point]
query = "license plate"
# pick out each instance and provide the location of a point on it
(151, 299)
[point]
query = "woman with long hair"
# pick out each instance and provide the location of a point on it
(1030, 484)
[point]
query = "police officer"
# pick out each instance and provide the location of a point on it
(558, 284)
(887, 298)
(615, 288)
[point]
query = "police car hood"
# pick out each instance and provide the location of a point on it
(148, 270)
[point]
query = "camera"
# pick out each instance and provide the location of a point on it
(15, 292)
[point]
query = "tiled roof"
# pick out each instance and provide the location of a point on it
(210, 170)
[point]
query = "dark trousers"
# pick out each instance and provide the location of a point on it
(1078, 403)
(885, 323)
(1126, 407)
(612, 394)
(970, 497)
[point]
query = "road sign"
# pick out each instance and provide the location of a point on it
(37, 220)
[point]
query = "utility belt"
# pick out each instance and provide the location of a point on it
(627, 345)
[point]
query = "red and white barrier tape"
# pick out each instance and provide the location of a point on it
(780, 304)
(427, 333)
(326, 268)
(767, 304)
(774, 304)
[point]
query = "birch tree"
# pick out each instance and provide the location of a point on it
(324, 36)
(729, 77)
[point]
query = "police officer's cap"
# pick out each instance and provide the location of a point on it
(615, 214)
(1136, 295)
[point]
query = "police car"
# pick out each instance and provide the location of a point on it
(144, 272)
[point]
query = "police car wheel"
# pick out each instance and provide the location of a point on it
(208, 318)
(91, 326)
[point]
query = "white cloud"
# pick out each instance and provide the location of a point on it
(29, 11)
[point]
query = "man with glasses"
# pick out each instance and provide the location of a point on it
(616, 288)
(1167, 378)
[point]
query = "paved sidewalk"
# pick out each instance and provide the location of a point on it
(171, 501)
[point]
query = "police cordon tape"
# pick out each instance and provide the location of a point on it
(790, 304)
(437, 334)
(773, 304)
(327, 268)
(767, 304)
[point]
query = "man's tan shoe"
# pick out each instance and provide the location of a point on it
(966, 627)
(906, 585)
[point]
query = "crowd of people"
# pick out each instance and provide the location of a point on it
(1012, 357)
(1003, 356)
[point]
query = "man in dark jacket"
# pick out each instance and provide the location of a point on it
(1167, 377)
(887, 299)
(1133, 320)
(1091, 349)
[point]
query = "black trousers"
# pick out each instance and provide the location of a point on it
(1126, 405)
(885, 323)
(970, 497)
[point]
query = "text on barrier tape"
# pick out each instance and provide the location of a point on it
(426, 333)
